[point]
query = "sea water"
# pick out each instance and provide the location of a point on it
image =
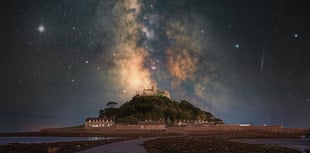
(30, 140)
(300, 144)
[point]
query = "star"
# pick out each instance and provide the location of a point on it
(86, 62)
(296, 35)
(237, 45)
(98, 68)
(72, 80)
(153, 67)
(41, 28)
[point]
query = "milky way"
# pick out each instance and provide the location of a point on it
(138, 53)
(245, 62)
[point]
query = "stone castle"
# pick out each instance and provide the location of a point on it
(155, 92)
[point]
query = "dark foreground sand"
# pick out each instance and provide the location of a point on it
(218, 140)
(196, 144)
(59, 147)
(186, 140)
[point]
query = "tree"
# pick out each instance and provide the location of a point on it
(155, 108)
(111, 104)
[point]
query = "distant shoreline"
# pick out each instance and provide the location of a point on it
(235, 131)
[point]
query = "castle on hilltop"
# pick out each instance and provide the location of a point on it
(154, 92)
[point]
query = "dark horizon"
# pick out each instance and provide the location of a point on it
(245, 62)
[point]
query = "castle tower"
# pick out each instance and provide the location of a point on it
(154, 89)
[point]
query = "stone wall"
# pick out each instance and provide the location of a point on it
(119, 126)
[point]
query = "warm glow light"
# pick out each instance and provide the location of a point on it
(129, 71)
(133, 75)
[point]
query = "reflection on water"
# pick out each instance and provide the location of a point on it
(301, 144)
(29, 140)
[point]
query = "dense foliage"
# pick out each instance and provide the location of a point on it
(156, 108)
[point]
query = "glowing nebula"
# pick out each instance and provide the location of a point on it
(181, 65)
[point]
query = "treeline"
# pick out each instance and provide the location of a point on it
(156, 108)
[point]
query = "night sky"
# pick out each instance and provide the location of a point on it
(244, 61)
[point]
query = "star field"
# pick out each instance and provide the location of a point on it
(246, 62)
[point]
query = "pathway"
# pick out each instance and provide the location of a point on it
(130, 146)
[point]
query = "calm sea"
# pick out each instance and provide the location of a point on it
(301, 144)
(29, 140)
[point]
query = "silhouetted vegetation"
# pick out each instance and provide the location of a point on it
(111, 104)
(156, 108)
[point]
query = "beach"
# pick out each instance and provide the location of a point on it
(173, 139)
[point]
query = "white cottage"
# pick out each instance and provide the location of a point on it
(99, 123)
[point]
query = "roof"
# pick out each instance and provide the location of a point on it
(98, 118)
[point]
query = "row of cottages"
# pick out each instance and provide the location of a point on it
(103, 123)
(99, 123)
(190, 123)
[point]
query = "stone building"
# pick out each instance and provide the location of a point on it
(99, 123)
(104, 123)
(154, 92)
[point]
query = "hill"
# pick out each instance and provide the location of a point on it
(156, 108)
